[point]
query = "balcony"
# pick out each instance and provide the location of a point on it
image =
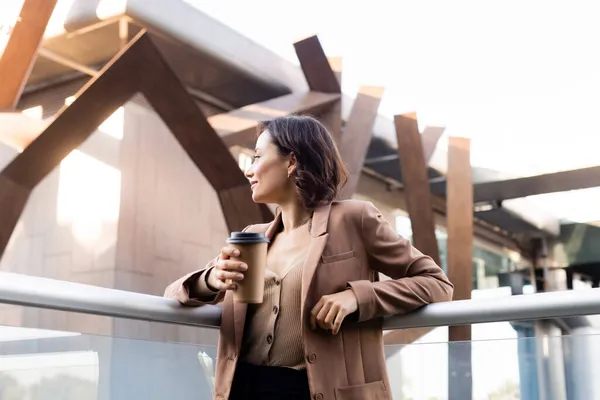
(542, 361)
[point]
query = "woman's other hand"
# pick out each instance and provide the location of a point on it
(226, 271)
(330, 311)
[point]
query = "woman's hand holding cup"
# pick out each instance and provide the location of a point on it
(226, 271)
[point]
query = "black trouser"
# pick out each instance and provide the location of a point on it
(269, 383)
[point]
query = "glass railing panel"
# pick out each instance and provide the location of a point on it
(534, 362)
(546, 365)
(51, 365)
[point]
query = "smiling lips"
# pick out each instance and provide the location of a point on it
(252, 184)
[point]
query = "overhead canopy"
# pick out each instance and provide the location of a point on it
(227, 70)
(206, 55)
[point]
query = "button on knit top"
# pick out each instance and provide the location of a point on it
(273, 331)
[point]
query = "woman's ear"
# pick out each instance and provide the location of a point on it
(292, 164)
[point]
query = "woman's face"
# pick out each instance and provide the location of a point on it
(268, 174)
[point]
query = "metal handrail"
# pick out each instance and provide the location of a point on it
(31, 291)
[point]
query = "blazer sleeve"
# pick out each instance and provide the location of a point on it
(416, 280)
(182, 289)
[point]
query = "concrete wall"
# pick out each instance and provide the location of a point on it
(129, 211)
(170, 219)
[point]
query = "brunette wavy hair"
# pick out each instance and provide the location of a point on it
(320, 172)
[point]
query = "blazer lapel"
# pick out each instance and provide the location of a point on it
(240, 309)
(318, 240)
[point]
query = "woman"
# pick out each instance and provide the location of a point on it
(318, 332)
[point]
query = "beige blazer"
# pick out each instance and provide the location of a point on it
(350, 243)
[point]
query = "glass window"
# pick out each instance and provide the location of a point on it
(487, 264)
